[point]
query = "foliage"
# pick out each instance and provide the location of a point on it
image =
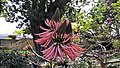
(19, 32)
(10, 59)
(78, 16)
(99, 29)
(89, 20)
(2, 2)
(116, 14)
(32, 12)
(116, 9)
(116, 44)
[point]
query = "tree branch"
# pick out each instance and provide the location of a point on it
(112, 62)
(38, 54)
(97, 57)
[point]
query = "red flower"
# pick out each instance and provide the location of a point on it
(58, 41)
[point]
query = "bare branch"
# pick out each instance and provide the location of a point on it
(95, 56)
(38, 54)
(89, 48)
(112, 62)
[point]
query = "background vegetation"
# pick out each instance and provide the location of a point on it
(99, 27)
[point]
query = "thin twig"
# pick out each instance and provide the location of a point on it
(97, 57)
(34, 50)
(38, 55)
(89, 48)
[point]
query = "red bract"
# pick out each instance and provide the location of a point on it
(61, 45)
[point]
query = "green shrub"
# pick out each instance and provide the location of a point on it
(9, 59)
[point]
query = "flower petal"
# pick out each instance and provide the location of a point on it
(51, 54)
(67, 21)
(43, 28)
(46, 51)
(56, 54)
(48, 23)
(60, 53)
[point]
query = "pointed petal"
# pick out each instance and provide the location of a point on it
(48, 23)
(58, 24)
(81, 52)
(75, 53)
(56, 54)
(66, 40)
(48, 49)
(75, 49)
(50, 55)
(60, 53)
(65, 35)
(47, 43)
(43, 33)
(69, 53)
(61, 35)
(65, 49)
(75, 37)
(77, 46)
(67, 21)
(43, 28)
(54, 25)
(47, 35)
(41, 40)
